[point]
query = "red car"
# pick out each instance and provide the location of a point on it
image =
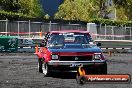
(65, 51)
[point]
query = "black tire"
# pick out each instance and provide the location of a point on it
(104, 69)
(40, 62)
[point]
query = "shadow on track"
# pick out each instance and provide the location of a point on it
(63, 75)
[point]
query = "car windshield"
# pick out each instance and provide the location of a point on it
(68, 40)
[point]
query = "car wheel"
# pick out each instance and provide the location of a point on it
(45, 69)
(40, 62)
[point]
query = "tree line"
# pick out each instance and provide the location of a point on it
(82, 10)
(92, 9)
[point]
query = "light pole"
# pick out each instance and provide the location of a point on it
(61, 23)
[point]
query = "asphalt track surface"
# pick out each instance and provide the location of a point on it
(19, 70)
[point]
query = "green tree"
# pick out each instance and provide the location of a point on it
(81, 10)
(37, 9)
(30, 7)
(123, 7)
(102, 7)
(9, 5)
(73, 10)
(88, 9)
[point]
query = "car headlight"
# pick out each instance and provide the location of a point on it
(97, 56)
(54, 57)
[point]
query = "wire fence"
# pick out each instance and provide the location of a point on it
(32, 29)
(107, 32)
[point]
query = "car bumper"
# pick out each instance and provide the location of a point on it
(72, 66)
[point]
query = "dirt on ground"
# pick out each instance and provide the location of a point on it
(19, 70)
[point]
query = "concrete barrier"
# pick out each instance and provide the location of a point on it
(113, 46)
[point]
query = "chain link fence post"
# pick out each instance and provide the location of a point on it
(6, 26)
(50, 26)
(29, 26)
(18, 28)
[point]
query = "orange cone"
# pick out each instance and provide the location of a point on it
(40, 34)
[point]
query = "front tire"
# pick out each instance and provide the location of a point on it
(104, 69)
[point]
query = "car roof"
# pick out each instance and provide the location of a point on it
(66, 31)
